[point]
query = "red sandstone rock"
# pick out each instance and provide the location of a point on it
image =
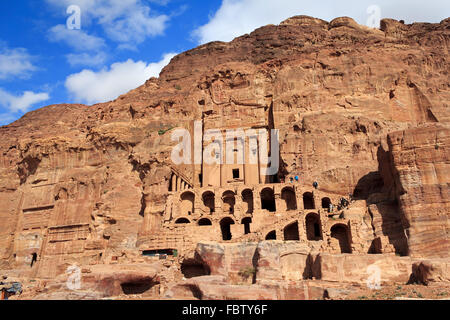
(360, 111)
(421, 160)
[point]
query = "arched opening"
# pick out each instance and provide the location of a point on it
(268, 200)
(246, 222)
(228, 202)
(204, 222)
(340, 232)
(209, 201)
(247, 198)
(326, 203)
(138, 287)
(308, 201)
(313, 227)
(291, 232)
(376, 246)
(225, 224)
(33, 259)
(192, 268)
(288, 195)
(272, 235)
(182, 221)
(187, 203)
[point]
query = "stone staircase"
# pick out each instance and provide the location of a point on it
(260, 233)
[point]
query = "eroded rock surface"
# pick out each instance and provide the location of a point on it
(363, 112)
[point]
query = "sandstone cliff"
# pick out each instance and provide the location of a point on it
(361, 111)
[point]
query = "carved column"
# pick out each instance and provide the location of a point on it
(178, 184)
(278, 202)
(174, 182)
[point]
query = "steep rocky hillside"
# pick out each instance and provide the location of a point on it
(361, 111)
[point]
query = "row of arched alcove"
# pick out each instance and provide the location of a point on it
(225, 224)
(313, 225)
(339, 231)
(267, 197)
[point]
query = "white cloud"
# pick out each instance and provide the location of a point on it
(86, 59)
(238, 17)
(125, 21)
(107, 84)
(77, 39)
(136, 26)
(21, 103)
(89, 46)
(15, 63)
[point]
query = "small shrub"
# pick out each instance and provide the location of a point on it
(247, 272)
(163, 131)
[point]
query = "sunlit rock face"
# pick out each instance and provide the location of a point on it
(362, 112)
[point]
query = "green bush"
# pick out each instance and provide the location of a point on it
(163, 131)
(247, 272)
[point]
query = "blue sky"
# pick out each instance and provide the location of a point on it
(121, 43)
